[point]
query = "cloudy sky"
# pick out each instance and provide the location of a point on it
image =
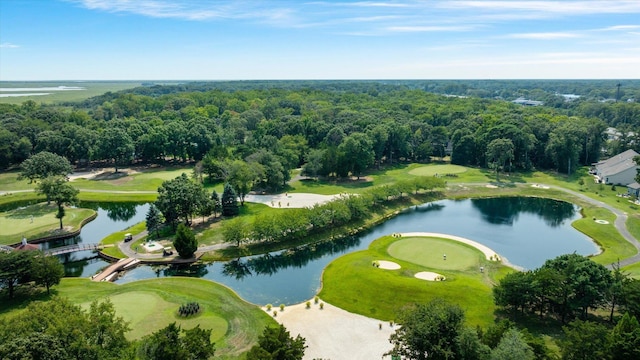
(238, 40)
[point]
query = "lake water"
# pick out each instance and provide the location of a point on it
(527, 231)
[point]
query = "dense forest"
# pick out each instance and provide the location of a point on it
(331, 128)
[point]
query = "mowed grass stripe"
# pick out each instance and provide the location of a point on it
(429, 251)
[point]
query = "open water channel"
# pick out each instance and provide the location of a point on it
(526, 231)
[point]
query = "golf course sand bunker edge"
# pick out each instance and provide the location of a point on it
(429, 276)
(387, 265)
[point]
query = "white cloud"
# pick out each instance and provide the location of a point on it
(190, 10)
(620, 28)
(544, 36)
(9, 46)
(550, 7)
(428, 28)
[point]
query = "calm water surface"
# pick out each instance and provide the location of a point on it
(527, 231)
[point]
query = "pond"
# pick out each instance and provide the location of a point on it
(111, 217)
(527, 231)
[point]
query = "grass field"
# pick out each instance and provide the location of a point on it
(37, 221)
(92, 88)
(116, 237)
(433, 170)
(429, 251)
(352, 283)
(150, 305)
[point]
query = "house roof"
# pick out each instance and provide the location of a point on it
(634, 186)
(617, 164)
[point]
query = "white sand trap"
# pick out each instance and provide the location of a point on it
(388, 265)
(491, 186)
(333, 333)
(539, 186)
(428, 275)
(603, 222)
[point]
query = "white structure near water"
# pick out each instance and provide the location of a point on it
(617, 170)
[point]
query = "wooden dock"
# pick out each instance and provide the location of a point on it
(109, 273)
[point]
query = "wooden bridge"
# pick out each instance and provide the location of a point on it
(109, 273)
(73, 248)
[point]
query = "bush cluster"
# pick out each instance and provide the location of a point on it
(189, 309)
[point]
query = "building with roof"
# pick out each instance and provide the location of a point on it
(633, 189)
(526, 102)
(618, 170)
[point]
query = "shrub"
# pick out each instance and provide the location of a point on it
(308, 304)
(275, 313)
(315, 299)
(189, 309)
(321, 306)
(269, 306)
(281, 307)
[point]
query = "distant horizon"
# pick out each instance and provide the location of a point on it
(227, 40)
(381, 79)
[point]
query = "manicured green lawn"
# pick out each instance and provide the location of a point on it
(37, 221)
(633, 270)
(432, 170)
(153, 304)
(9, 182)
(352, 283)
(614, 246)
(429, 251)
(146, 180)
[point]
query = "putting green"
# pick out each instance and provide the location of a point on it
(428, 252)
(431, 170)
(37, 221)
(147, 312)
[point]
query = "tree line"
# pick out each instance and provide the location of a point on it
(330, 131)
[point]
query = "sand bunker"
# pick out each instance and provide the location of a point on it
(491, 186)
(290, 200)
(388, 265)
(603, 222)
(539, 186)
(429, 276)
(333, 333)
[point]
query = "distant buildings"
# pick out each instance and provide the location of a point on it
(617, 170)
(525, 102)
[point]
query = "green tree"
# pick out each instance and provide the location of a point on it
(564, 146)
(432, 331)
(357, 153)
(185, 242)
(167, 344)
(313, 163)
(242, 176)
(235, 230)
(35, 346)
(276, 343)
(58, 190)
(153, 220)
(229, 201)
(94, 334)
(512, 346)
(47, 271)
(584, 340)
(216, 203)
(15, 269)
(43, 165)
(637, 161)
(180, 198)
(499, 151)
(116, 145)
(624, 339)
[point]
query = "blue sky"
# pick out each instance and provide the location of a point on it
(240, 40)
